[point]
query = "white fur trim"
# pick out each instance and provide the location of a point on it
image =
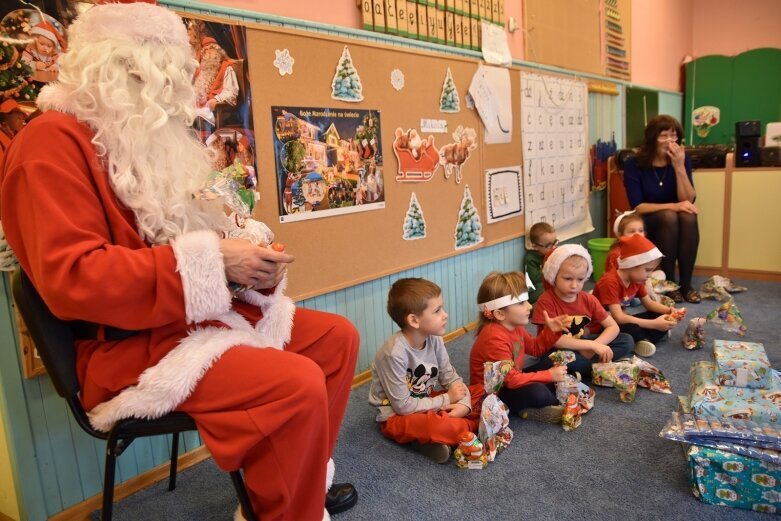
(326, 515)
(330, 470)
(278, 312)
(553, 263)
(200, 265)
(139, 23)
(640, 259)
(163, 387)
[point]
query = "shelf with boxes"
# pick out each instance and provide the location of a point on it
(455, 23)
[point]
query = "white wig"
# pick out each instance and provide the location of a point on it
(128, 75)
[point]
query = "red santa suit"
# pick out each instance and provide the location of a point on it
(197, 349)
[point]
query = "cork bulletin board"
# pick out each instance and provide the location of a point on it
(346, 249)
(565, 33)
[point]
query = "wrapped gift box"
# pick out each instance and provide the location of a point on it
(723, 478)
(742, 364)
(708, 398)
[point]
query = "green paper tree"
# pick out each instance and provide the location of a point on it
(15, 75)
(468, 229)
(346, 85)
(449, 101)
(414, 223)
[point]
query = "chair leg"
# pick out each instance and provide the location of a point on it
(108, 481)
(241, 491)
(174, 461)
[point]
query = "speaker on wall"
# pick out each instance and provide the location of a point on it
(747, 151)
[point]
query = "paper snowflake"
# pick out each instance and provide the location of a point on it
(397, 79)
(284, 62)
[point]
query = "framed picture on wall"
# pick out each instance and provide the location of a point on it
(503, 193)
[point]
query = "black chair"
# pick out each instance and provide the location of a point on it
(54, 340)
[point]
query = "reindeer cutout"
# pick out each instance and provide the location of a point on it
(453, 155)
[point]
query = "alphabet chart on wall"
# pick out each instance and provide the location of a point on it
(554, 115)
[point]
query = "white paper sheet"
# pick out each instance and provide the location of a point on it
(490, 90)
(496, 50)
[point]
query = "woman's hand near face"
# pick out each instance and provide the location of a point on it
(676, 154)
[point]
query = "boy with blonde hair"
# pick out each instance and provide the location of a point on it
(408, 368)
(593, 334)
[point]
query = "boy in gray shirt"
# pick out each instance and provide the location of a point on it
(408, 367)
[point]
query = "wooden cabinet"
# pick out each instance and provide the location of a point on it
(740, 218)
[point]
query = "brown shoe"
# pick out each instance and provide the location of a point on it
(693, 296)
(676, 295)
(436, 452)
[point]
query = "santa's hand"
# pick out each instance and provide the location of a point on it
(252, 265)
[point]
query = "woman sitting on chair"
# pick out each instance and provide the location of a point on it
(659, 186)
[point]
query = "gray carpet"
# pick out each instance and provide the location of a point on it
(613, 467)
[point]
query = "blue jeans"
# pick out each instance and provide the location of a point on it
(532, 396)
(622, 347)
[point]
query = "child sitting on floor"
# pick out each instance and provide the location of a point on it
(628, 224)
(615, 289)
(592, 334)
(504, 311)
(407, 368)
(543, 240)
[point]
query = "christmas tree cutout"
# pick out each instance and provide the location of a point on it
(15, 75)
(449, 101)
(414, 222)
(468, 229)
(346, 85)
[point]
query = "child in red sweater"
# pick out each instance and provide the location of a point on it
(615, 289)
(503, 299)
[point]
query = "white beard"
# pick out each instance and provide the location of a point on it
(151, 155)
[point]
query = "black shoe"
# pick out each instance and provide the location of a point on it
(340, 497)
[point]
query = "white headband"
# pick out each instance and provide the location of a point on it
(618, 220)
(503, 302)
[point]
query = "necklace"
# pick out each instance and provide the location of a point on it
(664, 174)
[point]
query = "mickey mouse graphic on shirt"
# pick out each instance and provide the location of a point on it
(421, 381)
(577, 327)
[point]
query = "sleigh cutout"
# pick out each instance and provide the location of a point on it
(418, 159)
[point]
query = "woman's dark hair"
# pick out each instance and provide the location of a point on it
(655, 127)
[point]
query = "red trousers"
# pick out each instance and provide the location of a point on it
(276, 414)
(434, 426)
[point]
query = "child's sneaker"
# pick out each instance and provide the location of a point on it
(644, 348)
(436, 452)
(548, 414)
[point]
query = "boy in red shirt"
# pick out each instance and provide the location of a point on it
(637, 260)
(593, 334)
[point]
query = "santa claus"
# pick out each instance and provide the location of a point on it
(215, 80)
(114, 237)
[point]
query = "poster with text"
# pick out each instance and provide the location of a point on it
(327, 162)
(554, 114)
